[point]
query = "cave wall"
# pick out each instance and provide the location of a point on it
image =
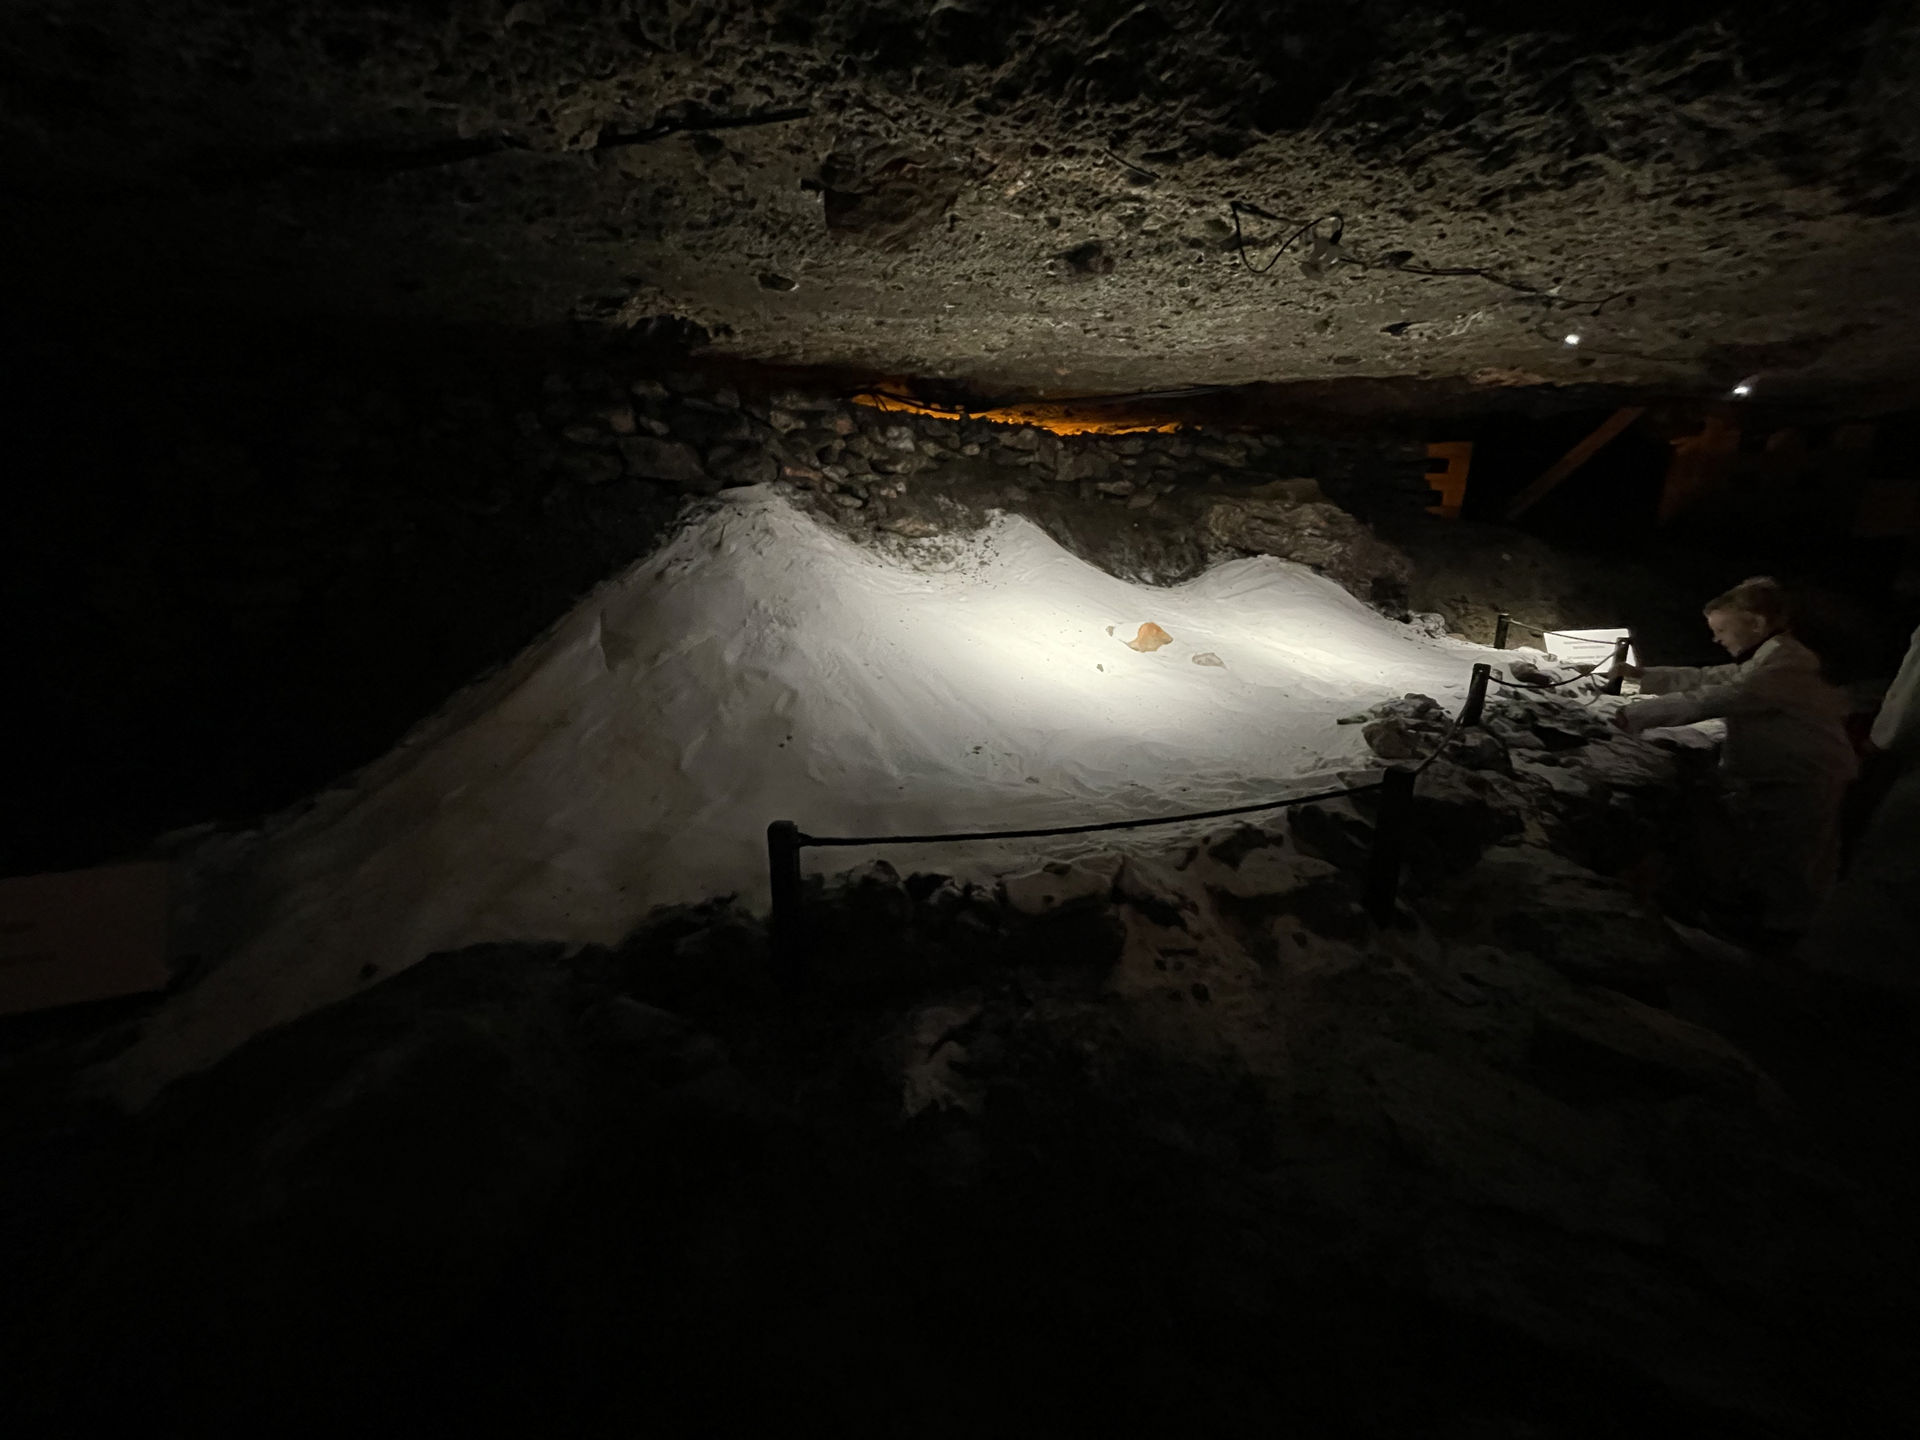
(1026, 194)
(242, 569)
(234, 572)
(245, 564)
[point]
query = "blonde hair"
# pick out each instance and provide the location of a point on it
(1760, 595)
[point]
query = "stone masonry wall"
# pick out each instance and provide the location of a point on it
(1150, 506)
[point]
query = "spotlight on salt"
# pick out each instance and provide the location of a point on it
(760, 667)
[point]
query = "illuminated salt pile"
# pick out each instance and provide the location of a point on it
(760, 667)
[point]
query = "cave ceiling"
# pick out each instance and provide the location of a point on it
(1017, 194)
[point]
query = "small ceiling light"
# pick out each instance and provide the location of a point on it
(1573, 339)
(1743, 389)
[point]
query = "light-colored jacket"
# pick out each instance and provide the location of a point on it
(1784, 718)
(1897, 726)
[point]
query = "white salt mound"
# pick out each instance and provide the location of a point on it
(760, 667)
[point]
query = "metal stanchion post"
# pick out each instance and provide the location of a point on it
(785, 927)
(1500, 624)
(1389, 843)
(1476, 695)
(1612, 687)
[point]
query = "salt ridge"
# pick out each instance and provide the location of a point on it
(759, 667)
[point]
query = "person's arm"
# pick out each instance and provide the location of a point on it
(1744, 694)
(1685, 708)
(1897, 725)
(1673, 679)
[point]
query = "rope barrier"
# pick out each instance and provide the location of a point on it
(1552, 685)
(1052, 830)
(1445, 740)
(1609, 686)
(1539, 630)
(785, 839)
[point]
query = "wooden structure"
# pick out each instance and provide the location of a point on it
(1551, 477)
(1700, 465)
(1451, 479)
(1789, 479)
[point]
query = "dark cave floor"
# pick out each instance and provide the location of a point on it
(1103, 1167)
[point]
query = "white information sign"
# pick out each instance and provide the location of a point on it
(1586, 646)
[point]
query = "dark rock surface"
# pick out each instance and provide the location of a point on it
(1532, 829)
(237, 575)
(359, 340)
(1292, 519)
(1196, 1148)
(1023, 194)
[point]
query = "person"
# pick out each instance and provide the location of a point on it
(1784, 766)
(1896, 727)
(1865, 933)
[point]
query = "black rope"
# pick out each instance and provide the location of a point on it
(1552, 685)
(844, 840)
(1047, 832)
(1543, 633)
(1402, 261)
(1599, 302)
(1528, 625)
(1541, 630)
(1136, 169)
(1445, 740)
(819, 841)
(1239, 240)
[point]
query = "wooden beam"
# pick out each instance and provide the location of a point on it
(1700, 465)
(1451, 482)
(1573, 460)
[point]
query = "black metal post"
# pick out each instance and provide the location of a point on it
(1612, 687)
(1476, 695)
(1500, 624)
(786, 925)
(1389, 843)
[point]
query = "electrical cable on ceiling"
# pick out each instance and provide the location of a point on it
(1239, 239)
(1136, 169)
(1396, 260)
(1599, 302)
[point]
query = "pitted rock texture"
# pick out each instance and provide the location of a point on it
(1017, 194)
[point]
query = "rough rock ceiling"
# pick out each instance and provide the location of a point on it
(1025, 194)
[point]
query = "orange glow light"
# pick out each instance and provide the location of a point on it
(1061, 417)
